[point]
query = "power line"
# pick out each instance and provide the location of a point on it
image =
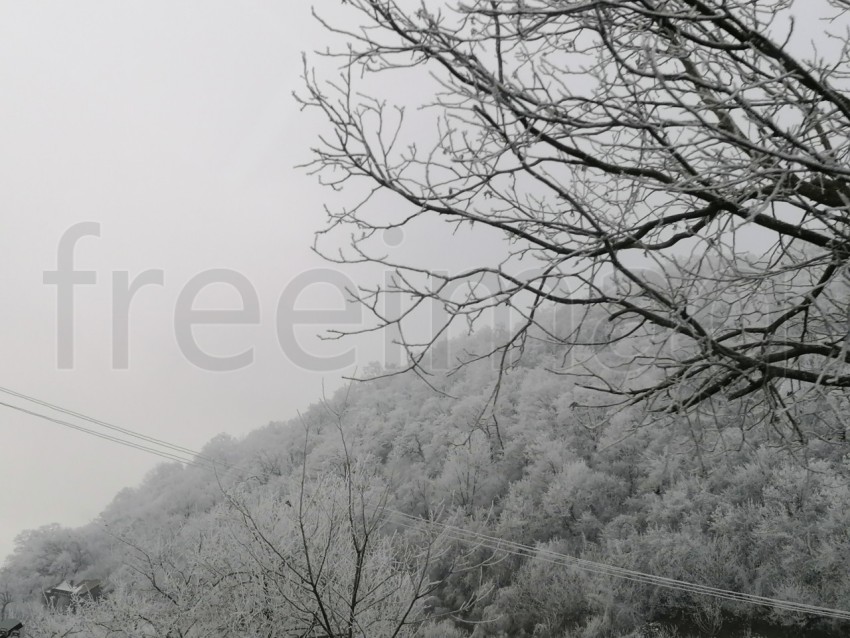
(176, 450)
(101, 435)
(550, 556)
(106, 424)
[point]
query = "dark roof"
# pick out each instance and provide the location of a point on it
(85, 586)
(71, 588)
(10, 624)
(64, 587)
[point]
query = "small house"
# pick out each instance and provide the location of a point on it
(68, 593)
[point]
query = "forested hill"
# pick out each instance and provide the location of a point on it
(296, 528)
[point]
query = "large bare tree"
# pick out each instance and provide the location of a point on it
(676, 171)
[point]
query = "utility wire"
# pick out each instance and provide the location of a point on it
(538, 553)
(101, 435)
(178, 449)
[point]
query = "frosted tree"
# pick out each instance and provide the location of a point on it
(671, 174)
(323, 556)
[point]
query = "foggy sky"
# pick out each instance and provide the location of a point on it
(172, 126)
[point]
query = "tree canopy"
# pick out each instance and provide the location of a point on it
(668, 171)
(293, 539)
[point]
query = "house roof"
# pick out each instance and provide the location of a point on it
(85, 586)
(10, 624)
(75, 589)
(64, 586)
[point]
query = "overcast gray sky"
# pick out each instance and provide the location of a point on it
(171, 126)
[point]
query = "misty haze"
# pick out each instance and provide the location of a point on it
(425, 319)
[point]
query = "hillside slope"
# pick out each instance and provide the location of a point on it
(715, 502)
